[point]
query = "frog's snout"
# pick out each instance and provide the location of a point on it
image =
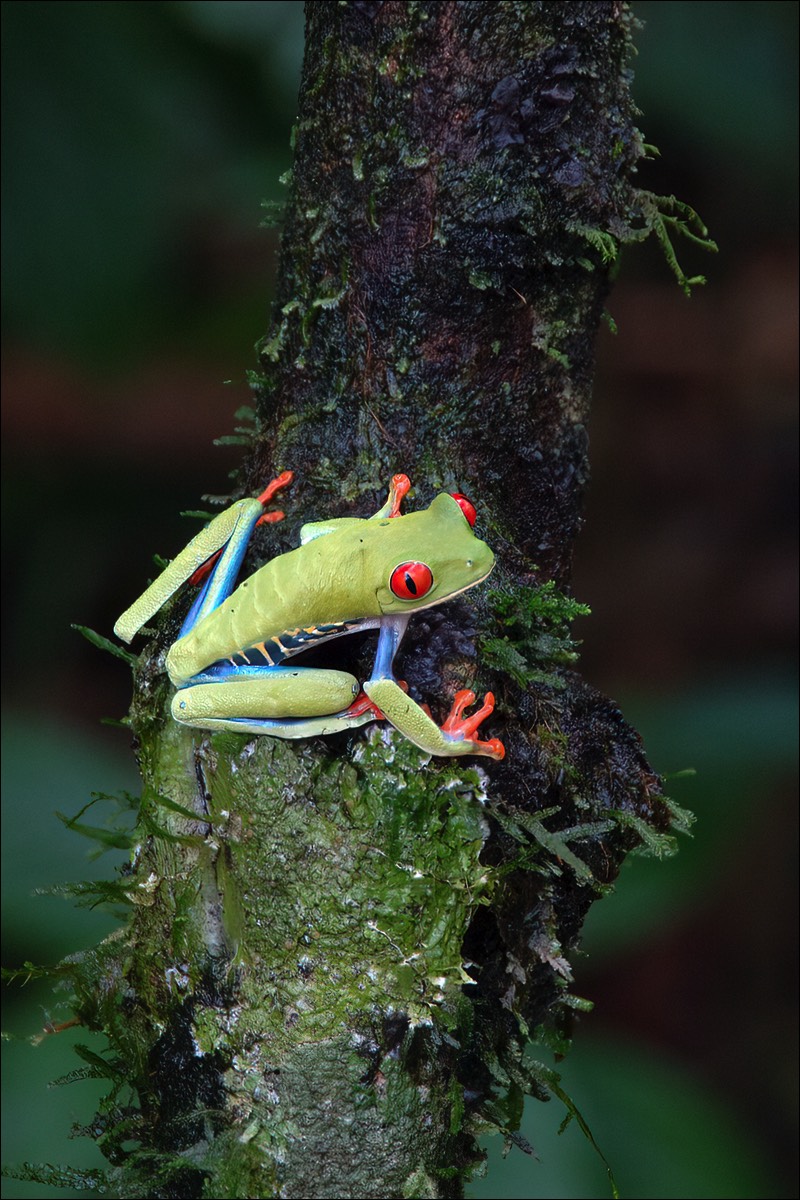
(480, 564)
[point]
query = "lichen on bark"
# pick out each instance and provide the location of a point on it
(338, 948)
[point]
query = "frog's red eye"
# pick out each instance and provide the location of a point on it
(466, 506)
(411, 580)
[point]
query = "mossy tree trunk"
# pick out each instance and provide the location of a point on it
(325, 987)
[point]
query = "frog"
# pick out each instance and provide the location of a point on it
(232, 664)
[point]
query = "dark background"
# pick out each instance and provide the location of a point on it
(140, 139)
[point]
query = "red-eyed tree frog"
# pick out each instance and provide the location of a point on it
(229, 664)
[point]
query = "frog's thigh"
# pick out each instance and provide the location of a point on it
(290, 692)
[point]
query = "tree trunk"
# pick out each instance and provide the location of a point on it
(331, 970)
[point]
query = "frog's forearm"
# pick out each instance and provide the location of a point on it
(415, 724)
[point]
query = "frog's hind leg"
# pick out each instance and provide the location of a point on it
(222, 578)
(228, 546)
(286, 702)
(225, 539)
(216, 535)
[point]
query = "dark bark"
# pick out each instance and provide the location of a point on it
(461, 170)
(328, 981)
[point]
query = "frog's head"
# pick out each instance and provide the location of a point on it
(430, 556)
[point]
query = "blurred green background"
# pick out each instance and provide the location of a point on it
(140, 139)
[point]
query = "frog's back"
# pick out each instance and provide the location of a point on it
(322, 583)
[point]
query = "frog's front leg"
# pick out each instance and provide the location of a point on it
(456, 735)
(285, 702)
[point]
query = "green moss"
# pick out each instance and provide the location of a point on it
(533, 625)
(363, 863)
(604, 243)
(665, 216)
(479, 280)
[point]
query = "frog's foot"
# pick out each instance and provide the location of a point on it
(458, 727)
(398, 490)
(282, 481)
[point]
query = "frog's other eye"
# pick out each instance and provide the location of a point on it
(411, 580)
(466, 506)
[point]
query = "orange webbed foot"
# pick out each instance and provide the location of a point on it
(282, 481)
(459, 726)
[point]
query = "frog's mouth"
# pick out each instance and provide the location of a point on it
(459, 591)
